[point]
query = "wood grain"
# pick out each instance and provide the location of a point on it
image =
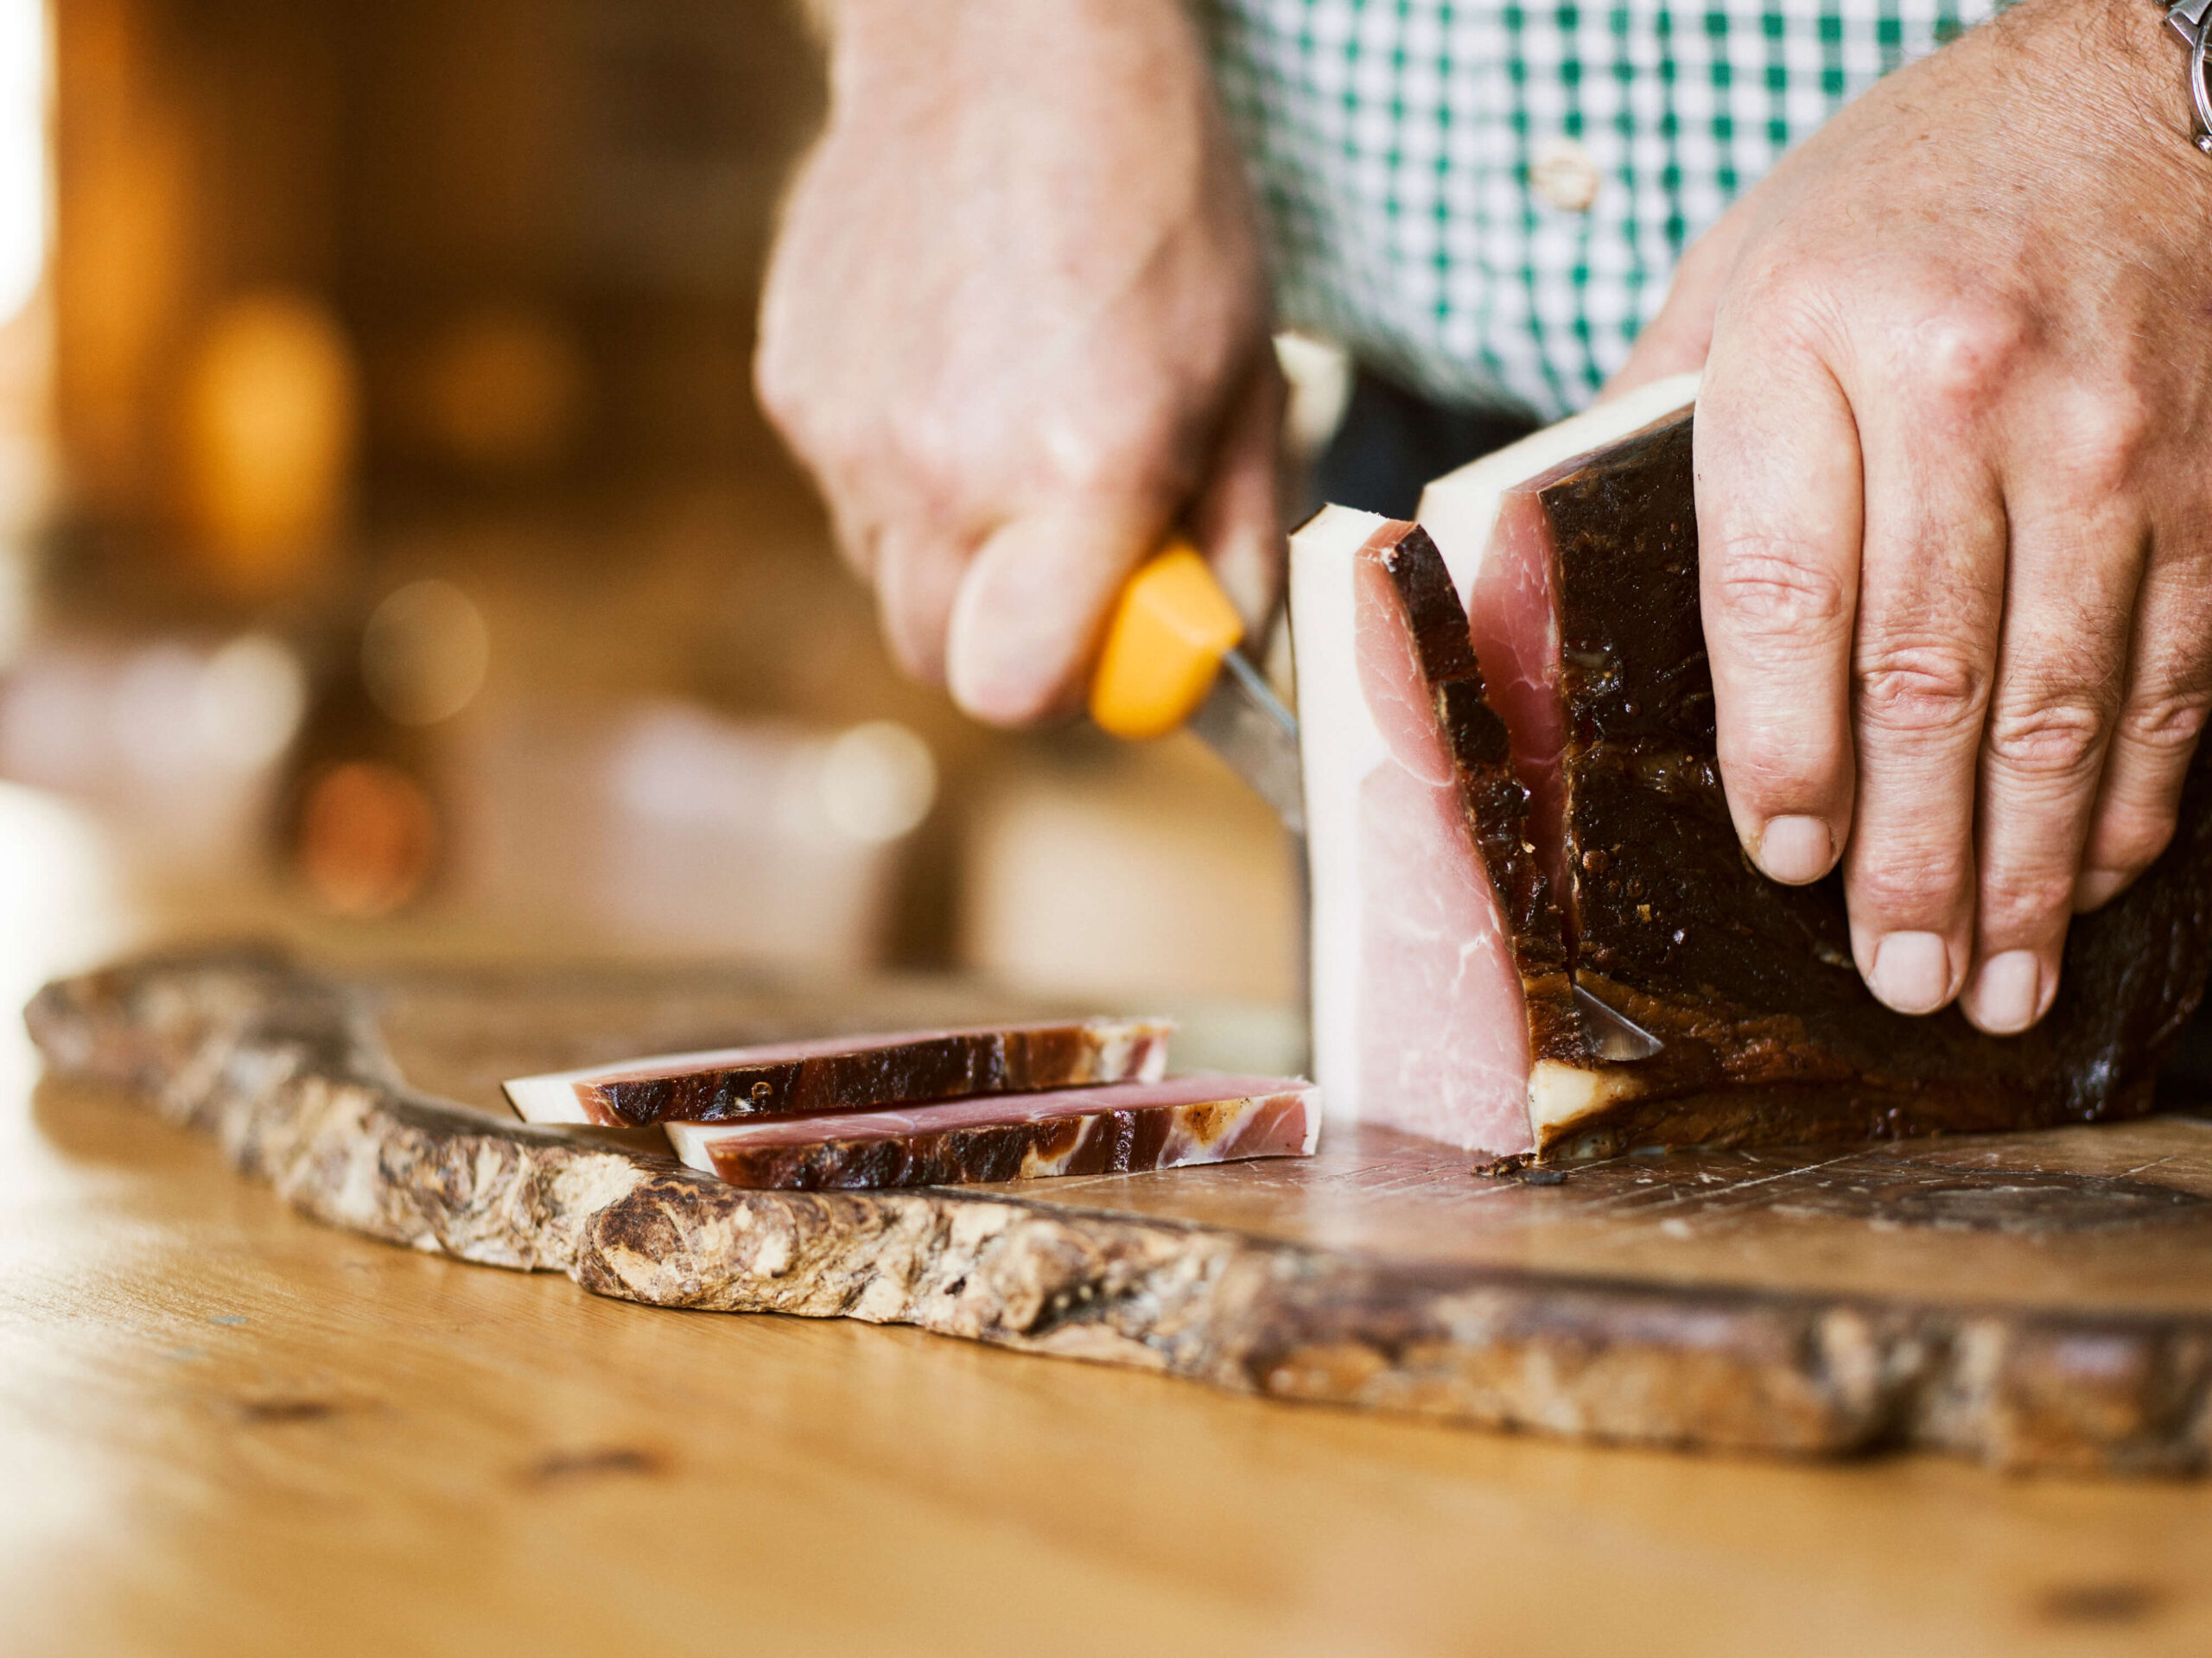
(2036, 1302)
(227, 1429)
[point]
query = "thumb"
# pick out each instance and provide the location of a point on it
(1029, 610)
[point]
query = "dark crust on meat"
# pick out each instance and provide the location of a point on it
(955, 1065)
(1771, 1036)
(1099, 1142)
(1495, 801)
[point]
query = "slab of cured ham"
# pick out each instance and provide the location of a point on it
(1514, 809)
(847, 1073)
(1127, 1129)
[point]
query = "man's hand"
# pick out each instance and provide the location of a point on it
(1016, 323)
(1955, 507)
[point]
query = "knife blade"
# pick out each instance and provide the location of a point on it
(1244, 722)
(1612, 1035)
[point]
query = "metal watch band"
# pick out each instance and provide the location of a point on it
(2192, 21)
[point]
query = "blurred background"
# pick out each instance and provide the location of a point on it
(393, 555)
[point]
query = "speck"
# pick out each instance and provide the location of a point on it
(225, 1318)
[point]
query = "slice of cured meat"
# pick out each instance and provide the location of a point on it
(1127, 1129)
(1418, 1007)
(847, 1073)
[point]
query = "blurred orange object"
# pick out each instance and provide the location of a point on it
(504, 389)
(270, 419)
(368, 838)
(1164, 645)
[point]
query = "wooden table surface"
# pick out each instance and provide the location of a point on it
(226, 1429)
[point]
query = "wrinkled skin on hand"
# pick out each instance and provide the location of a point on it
(1016, 323)
(1953, 504)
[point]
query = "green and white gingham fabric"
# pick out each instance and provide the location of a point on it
(1393, 140)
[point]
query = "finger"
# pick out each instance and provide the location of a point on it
(1236, 519)
(917, 575)
(1029, 609)
(2073, 567)
(1779, 516)
(1930, 598)
(2155, 735)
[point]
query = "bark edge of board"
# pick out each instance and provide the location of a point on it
(287, 1071)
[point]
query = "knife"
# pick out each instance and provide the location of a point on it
(1172, 657)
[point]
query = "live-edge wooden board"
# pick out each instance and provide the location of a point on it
(2039, 1301)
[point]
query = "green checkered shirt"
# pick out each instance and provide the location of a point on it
(1394, 143)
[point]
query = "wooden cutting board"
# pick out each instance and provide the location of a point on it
(2040, 1301)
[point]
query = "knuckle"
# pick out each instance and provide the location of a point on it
(2169, 722)
(1908, 882)
(1771, 762)
(1923, 686)
(2059, 737)
(1114, 452)
(1772, 591)
(2013, 902)
(2129, 838)
(921, 443)
(2100, 439)
(1958, 355)
(1763, 764)
(779, 387)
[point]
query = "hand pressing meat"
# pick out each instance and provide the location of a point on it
(1954, 516)
(1016, 325)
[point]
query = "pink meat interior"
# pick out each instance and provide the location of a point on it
(989, 1111)
(1513, 623)
(1444, 1030)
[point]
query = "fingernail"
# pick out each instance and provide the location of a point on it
(1912, 972)
(2093, 888)
(2007, 993)
(1794, 850)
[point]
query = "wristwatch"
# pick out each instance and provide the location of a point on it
(2192, 21)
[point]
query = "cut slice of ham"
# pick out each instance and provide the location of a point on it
(1127, 1129)
(847, 1073)
(1487, 521)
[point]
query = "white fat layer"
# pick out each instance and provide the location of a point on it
(693, 1142)
(1561, 1095)
(1338, 746)
(1460, 510)
(546, 1099)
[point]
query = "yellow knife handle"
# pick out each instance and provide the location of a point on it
(1171, 627)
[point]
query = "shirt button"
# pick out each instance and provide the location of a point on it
(1564, 175)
